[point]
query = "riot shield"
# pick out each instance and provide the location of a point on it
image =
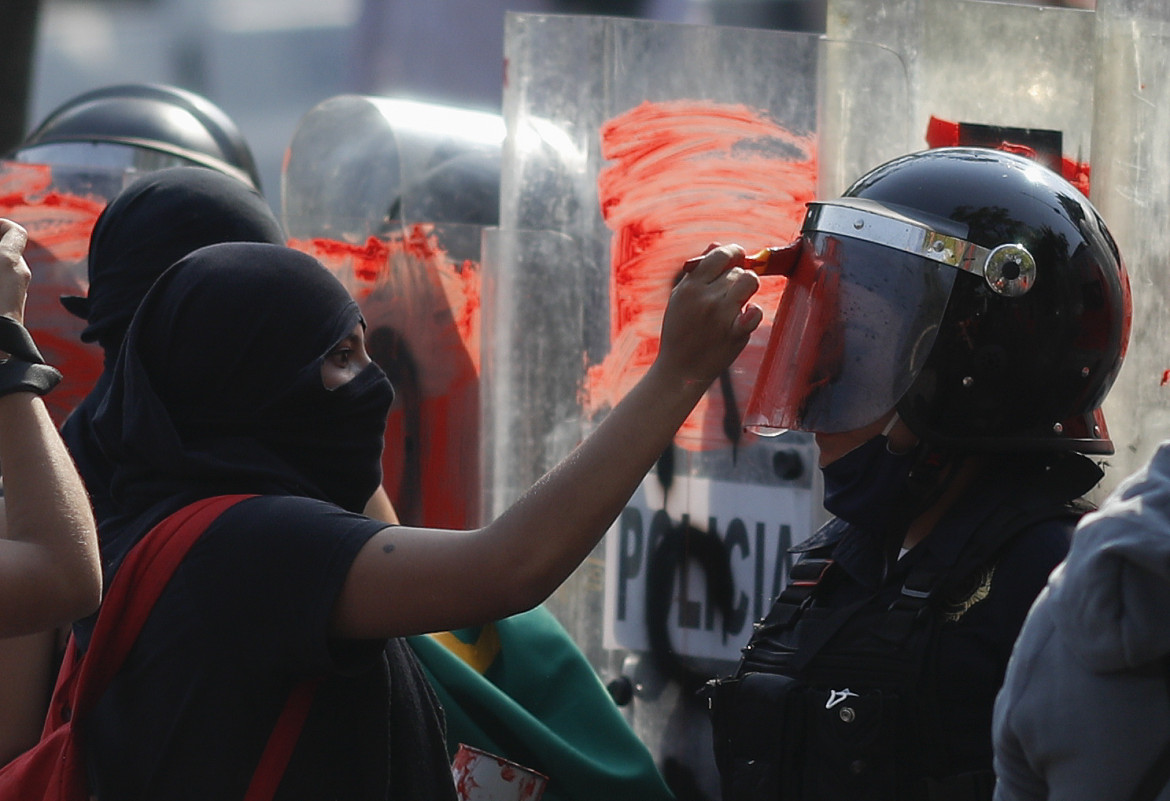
(667, 138)
(1131, 189)
(59, 205)
(983, 74)
(393, 195)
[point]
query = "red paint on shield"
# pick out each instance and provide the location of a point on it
(682, 175)
(59, 225)
(422, 312)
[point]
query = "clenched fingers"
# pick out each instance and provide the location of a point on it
(14, 272)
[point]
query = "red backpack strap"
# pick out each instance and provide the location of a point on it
(282, 741)
(124, 611)
(132, 594)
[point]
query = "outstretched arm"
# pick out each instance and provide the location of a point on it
(408, 580)
(50, 572)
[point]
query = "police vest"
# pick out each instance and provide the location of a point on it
(837, 704)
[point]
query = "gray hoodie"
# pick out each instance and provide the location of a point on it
(1084, 709)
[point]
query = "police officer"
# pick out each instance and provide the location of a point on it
(145, 126)
(948, 332)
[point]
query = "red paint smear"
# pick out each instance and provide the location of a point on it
(945, 133)
(28, 179)
(682, 175)
(1165, 378)
(59, 225)
(80, 365)
(408, 284)
(468, 761)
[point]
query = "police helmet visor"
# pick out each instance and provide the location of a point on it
(119, 156)
(100, 154)
(856, 321)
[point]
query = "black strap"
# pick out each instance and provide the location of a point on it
(823, 634)
(803, 579)
(20, 376)
(16, 341)
(1158, 774)
(24, 370)
(983, 544)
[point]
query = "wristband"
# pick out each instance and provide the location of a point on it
(17, 375)
(16, 341)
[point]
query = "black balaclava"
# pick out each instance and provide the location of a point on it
(218, 389)
(151, 224)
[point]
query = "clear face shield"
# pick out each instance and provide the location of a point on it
(858, 317)
(105, 155)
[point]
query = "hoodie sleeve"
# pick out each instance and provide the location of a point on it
(1016, 779)
(1111, 603)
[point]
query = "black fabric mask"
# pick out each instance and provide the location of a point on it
(348, 428)
(866, 486)
(218, 389)
(151, 224)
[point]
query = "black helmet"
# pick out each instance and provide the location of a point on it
(975, 291)
(156, 118)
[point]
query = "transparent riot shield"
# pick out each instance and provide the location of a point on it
(666, 139)
(393, 196)
(983, 73)
(59, 205)
(1131, 189)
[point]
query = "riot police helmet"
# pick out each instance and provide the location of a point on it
(143, 125)
(975, 291)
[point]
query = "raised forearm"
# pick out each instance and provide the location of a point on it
(51, 569)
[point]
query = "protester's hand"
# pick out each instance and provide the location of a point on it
(14, 273)
(708, 320)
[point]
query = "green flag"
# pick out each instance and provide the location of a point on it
(521, 689)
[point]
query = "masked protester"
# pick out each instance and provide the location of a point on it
(150, 225)
(244, 371)
(949, 329)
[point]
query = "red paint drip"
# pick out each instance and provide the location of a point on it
(682, 175)
(411, 291)
(1165, 378)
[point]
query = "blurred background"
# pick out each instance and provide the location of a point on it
(268, 62)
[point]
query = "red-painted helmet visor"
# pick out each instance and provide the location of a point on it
(853, 329)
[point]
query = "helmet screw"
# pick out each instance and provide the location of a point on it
(1058, 428)
(1084, 372)
(968, 381)
(859, 224)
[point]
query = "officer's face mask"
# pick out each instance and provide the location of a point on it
(864, 486)
(855, 323)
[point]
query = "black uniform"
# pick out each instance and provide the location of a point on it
(868, 682)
